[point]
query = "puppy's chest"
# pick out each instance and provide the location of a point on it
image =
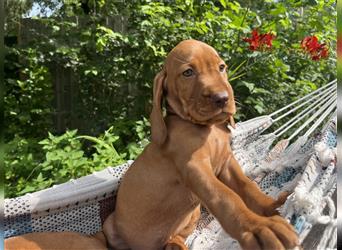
(218, 149)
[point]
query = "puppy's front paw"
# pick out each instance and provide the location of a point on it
(268, 233)
(270, 207)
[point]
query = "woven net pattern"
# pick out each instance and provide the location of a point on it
(82, 205)
(79, 205)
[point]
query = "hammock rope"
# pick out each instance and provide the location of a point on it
(331, 109)
(326, 91)
(306, 167)
(266, 141)
(332, 83)
(308, 110)
(245, 130)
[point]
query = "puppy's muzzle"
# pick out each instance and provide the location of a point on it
(220, 99)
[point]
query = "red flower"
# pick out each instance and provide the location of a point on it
(315, 57)
(259, 41)
(253, 41)
(316, 50)
(267, 39)
(310, 43)
(324, 51)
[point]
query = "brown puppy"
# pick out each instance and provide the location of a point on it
(56, 241)
(189, 163)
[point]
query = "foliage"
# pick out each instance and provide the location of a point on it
(58, 159)
(28, 99)
(113, 66)
(21, 158)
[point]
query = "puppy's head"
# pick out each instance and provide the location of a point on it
(194, 81)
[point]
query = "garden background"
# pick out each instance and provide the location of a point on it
(79, 73)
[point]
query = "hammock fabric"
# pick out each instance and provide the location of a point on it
(306, 167)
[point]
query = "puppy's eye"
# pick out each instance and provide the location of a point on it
(222, 67)
(188, 73)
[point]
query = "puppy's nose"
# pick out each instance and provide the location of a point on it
(220, 99)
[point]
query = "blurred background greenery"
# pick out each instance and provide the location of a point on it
(78, 73)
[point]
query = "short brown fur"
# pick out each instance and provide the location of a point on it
(189, 163)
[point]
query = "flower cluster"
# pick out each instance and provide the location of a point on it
(309, 44)
(259, 41)
(316, 50)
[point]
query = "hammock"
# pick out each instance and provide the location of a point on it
(303, 163)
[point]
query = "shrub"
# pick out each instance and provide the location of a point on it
(33, 165)
(114, 69)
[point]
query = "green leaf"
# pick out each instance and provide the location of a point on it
(248, 85)
(259, 108)
(235, 6)
(223, 3)
(55, 28)
(27, 189)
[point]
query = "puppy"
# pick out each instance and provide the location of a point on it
(189, 162)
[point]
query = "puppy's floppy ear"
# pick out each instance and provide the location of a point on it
(158, 127)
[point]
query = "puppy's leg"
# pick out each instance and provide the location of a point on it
(177, 242)
(233, 214)
(191, 225)
(55, 240)
(232, 175)
(113, 238)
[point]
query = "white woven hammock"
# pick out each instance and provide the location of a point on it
(304, 163)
